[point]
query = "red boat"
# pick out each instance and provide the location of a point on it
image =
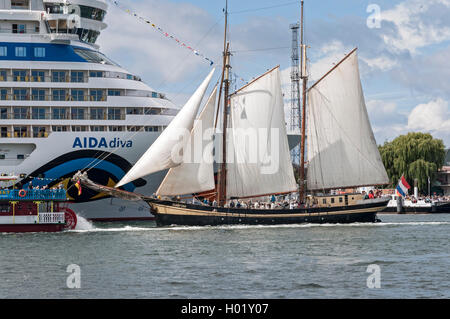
(34, 210)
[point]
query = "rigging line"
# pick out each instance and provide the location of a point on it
(160, 30)
(182, 61)
(265, 8)
(262, 49)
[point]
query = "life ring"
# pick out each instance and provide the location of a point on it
(22, 193)
(70, 218)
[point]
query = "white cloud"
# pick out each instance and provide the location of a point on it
(159, 60)
(415, 25)
(432, 116)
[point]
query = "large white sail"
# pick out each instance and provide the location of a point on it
(342, 151)
(196, 173)
(160, 155)
(258, 158)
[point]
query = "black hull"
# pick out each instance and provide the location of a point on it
(172, 213)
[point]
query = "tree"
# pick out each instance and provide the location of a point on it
(416, 155)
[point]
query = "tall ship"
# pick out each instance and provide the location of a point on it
(254, 155)
(65, 106)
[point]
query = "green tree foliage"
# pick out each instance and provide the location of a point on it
(417, 155)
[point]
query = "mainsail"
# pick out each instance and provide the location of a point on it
(160, 155)
(196, 173)
(342, 151)
(259, 161)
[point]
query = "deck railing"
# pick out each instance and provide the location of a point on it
(51, 218)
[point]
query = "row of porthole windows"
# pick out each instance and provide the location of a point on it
(22, 52)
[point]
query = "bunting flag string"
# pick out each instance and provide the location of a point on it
(160, 30)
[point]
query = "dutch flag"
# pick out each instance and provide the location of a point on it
(403, 186)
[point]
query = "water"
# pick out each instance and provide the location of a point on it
(137, 260)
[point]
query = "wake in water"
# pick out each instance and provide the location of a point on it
(85, 226)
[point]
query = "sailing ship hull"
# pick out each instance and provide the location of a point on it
(169, 213)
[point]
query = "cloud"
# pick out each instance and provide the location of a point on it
(432, 116)
(417, 24)
(144, 51)
(426, 74)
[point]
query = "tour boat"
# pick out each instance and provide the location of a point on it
(33, 210)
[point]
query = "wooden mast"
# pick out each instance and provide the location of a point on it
(304, 77)
(222, 178)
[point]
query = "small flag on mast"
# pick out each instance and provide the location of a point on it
(403, 186)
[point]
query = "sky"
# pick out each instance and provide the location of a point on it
(403, 49)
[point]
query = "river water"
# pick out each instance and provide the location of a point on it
(408, 255)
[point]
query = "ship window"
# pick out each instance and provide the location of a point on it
(4, 208)
(3, 94)
(114, 114)
(117, 128)
(59, 76)
(39, 52)
(96, 74)
(39, 132)
(93, 56)
(20, 94)
(38, 113)
(324, 201)
(2, 156)
(38, 76)
(20, 113)
(20, 156)
(59, 128)
(77, 76)
(19, 28)
(135, 128)
(38, 94)
(19, 75)
(97, 95)
(79, 128)
(113, 92)
(3, 113)
(21, 51)
(98, 114)
(78, 95)
(98, 128)
(134, 111)
(59, 113)
(59, 95)
(92, 13)
(341, 200)
(332, 201)
(20, 131)
(151, 128)
(20, 4)
(3, 51)
(78, 113)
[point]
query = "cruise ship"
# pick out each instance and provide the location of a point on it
(64, 105)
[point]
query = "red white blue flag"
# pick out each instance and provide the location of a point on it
(403, 186)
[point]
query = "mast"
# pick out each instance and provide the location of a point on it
(222, 178)
(304, 77)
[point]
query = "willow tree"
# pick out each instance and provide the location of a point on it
(416, 155)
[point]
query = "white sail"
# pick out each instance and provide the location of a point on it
(196, 174)
(160, 155)
(258, 158)
(342, 151)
